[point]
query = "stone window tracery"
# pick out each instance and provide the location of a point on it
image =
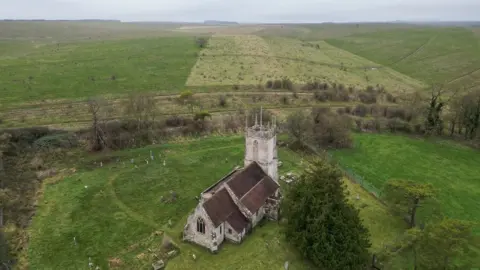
(200, 225)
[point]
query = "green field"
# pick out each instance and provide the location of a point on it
(451, 168)
(433, 55)
(79, 70)
(114, 211)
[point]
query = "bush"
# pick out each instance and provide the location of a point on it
(391, 98)
(202, 115)
(175, 121)
(277, 84)
(360, 110)
(235, 87)
(295, 94)
(287, 84)
(222, 101)
(332, 131)
(284, 100)
(397, 125)
(269, 84)
(367, 97)
(321, 96)
(185, 95)
(201, 42)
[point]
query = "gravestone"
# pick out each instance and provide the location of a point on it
(158, 265)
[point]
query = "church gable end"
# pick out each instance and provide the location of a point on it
(221, 208)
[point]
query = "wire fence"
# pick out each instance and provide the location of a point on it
(350, 174)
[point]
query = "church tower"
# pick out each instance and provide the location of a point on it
(261, 146)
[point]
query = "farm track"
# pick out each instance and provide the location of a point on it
(84, 122)
(155, 96)
(416, 50)
(291, 59)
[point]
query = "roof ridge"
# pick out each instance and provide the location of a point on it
(263, 178)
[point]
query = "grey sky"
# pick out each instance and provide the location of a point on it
(243, 10)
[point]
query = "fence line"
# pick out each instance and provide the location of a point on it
(350, 174)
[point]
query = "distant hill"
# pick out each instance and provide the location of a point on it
(211, 22)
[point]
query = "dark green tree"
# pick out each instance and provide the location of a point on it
(321, 223)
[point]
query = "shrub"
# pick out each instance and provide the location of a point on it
(332, 131)
(321, 96)
(277, 84)
(201, 42)
(397, 125)
(235, 87)
(269, 84)
(287, 84)
(360, 110)
(294, 95)
(284, 100)
(341, 110)
(367, 97)
(202, 115)
(185, 95)
(175, 121)
(391, 98)
(222, 101)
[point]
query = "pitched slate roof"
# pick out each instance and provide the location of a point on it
(245, 180)
(220, 208)
(258, 195)
(251, 185)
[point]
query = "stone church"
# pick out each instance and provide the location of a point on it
(229, 209)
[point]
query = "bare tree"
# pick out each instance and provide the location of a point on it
(142, 108)
(98, 136)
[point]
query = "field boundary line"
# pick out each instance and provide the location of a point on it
(416, 50)
(463, 76)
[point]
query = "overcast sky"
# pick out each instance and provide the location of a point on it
(244, 10)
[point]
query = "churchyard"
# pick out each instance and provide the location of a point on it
(120, 211)
(125, 209)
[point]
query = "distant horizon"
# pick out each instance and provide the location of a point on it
(240, 22)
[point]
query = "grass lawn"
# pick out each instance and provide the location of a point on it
(84, 69)
(433, 55)
(114, 211)
(454, 170)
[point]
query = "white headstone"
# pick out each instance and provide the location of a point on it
(286, 265)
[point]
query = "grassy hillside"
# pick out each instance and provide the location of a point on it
(451, 168)
(65, 31)
(116, 212)
(72, 70)
(249, 59)
(433, 55)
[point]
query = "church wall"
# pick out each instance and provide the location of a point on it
(220, 231)
(231, 234)
(191, 234)
(258, 216)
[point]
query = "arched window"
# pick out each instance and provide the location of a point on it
(255, 150)
(200, 225)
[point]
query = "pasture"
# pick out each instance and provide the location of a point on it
(449, 56)
(80, 70)
(252, 60)
(115, 212)
(452, 169)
